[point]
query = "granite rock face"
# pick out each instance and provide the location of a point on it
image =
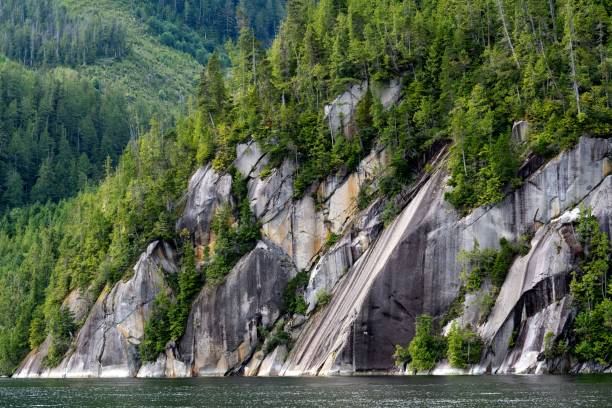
(302, 227)
(534, 299)
(328, 271)
(273, 363)
(378, 279)
(221, 332)
(520, 131)
(250, 159)
(413, 269)
(339, 114)
(208, 190)
(106, 345)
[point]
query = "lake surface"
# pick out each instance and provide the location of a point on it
(487, 391)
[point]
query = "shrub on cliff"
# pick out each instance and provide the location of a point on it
(464, 346)
(487, 263)
(426, 348)
(63, 330)
(293, 297)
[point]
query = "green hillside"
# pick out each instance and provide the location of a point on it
(82, 78)
(155, 76)
(467, 76)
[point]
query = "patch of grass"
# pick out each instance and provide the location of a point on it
(332, 239)
(323, 298)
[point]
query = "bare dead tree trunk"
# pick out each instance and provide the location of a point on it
(463, 157)
(572, 58)
(551, 6)
(254, 61)
(602, 59)
(502, 15)
(536, 38)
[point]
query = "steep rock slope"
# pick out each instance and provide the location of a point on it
(106, 344)
(413, 268)
(222, 328)
(379, 278)
(535, 298)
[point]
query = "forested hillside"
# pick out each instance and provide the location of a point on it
(198, 27)
(57, 130)
(87, 78)
(469, 70)
(44, 33)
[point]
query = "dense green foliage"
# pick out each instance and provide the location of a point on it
(62, 330)
(554, 347)
(90, 241)
(466, 76)
(278, 337)
(488, 263)
(104, 42)
(485, 265)
(57, 130)
(464, 346)
(169, 316)
(198, 27)
(156, 79)
(59, 127)
(156, 333)
(401, 356)
(236, 234)
(426, 348)
(293, 298)
(592, 292)
(44, 33)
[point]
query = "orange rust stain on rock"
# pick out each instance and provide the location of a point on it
(353, 188)
(199, 253)
(317, 244)
(607, 167)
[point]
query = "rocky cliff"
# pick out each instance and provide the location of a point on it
(413, 268)
(106, 345)
(376, 279)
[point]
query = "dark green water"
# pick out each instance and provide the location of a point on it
(488, 391)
